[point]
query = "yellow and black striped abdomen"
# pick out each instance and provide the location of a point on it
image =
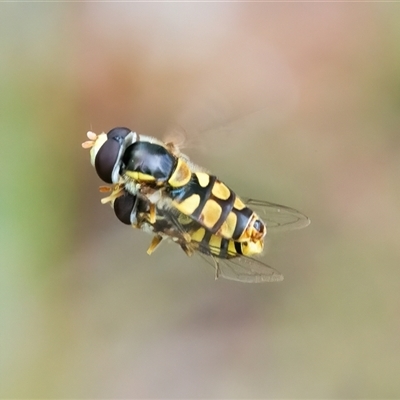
(210, 244)
(217, 246)
(214, 206)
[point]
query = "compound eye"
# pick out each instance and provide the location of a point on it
(108, 158)
(123, 207)
(120, 133)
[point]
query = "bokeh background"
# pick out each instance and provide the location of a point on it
(295, 103)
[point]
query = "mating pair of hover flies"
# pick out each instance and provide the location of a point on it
(158, 189)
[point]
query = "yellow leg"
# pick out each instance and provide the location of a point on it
(187, 237)
(154, 244)
(152, 214)
(189, 252)
(117, 191)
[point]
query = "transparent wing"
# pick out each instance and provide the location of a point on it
(278, 218)
(237, 268)
(233, 266)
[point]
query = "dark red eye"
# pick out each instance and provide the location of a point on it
(123, 207)
(108, 158)
(119, 133)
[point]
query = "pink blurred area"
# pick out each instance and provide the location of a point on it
(294, 103)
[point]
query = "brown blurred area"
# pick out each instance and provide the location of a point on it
(294, 103)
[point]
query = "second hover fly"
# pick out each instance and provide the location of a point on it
(227, 257)
(159, 173)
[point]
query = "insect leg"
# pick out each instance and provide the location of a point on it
(117, 191)
(135, 222)
(189, 251)
(152, 213)
(174, 220)
(154, 244)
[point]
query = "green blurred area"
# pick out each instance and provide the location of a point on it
(292, 103)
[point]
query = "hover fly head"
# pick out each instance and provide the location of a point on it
(126, 206)
(106, 151)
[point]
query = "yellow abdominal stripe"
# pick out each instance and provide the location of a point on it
(198, 235)
(220, 191)
(231, 248)
(228, 227)
(188, 205)
(210, 214)
(214, 244)
(203, 178)
(238, 204)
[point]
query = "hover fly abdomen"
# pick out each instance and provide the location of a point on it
(213, 205)
(224, 248)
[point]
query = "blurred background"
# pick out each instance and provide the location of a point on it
(297, 104)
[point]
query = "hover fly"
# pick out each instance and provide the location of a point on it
(227, 257)
(160, 173)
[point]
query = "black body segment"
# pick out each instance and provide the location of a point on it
(243, 219)
(150, 159)
(221, 207)
(238, 248)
